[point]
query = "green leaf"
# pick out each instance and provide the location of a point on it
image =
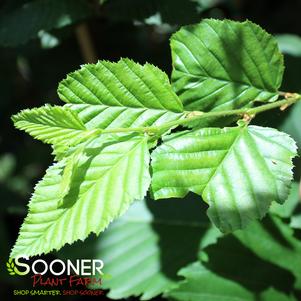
(274, 241)
(202, 285)
(26, 21)
(108, 178)
(143, 250)
(51, 124)
(122, 94)
(7, 166)
(238, 171)
(289, 44)
(272, 294)
(261, 274)
(222, 65)
(286, 210)
(258, 263)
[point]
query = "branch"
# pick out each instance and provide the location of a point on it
(197, 115)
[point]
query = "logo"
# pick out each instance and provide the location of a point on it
(11, 268)
(57, 267)
(66, 276)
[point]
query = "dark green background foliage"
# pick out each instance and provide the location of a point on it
(40, 42)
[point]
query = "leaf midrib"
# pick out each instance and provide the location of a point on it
(191, 75)
(70, 104)
(241, 132)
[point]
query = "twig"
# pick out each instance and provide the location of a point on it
(197, 115)
(85, 42)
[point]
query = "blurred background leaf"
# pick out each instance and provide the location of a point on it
(289, 44)
(261, 262)
(145, 248)
(23, 23)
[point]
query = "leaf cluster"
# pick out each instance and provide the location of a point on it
(117, 137)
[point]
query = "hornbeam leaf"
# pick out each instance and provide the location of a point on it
(201, 284)
(269, 254)
(238, 171)
(274, 241)
(221, 65)
(264, 267)
(143, 250)
(51, 124)
(122, 94)
(286, 210)
(272, 294)
(108, 178)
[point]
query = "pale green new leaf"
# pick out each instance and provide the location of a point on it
(222, 65)
(122, 94)
(144, 249)
(108, 178)
(238, 171)
(51, 124)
